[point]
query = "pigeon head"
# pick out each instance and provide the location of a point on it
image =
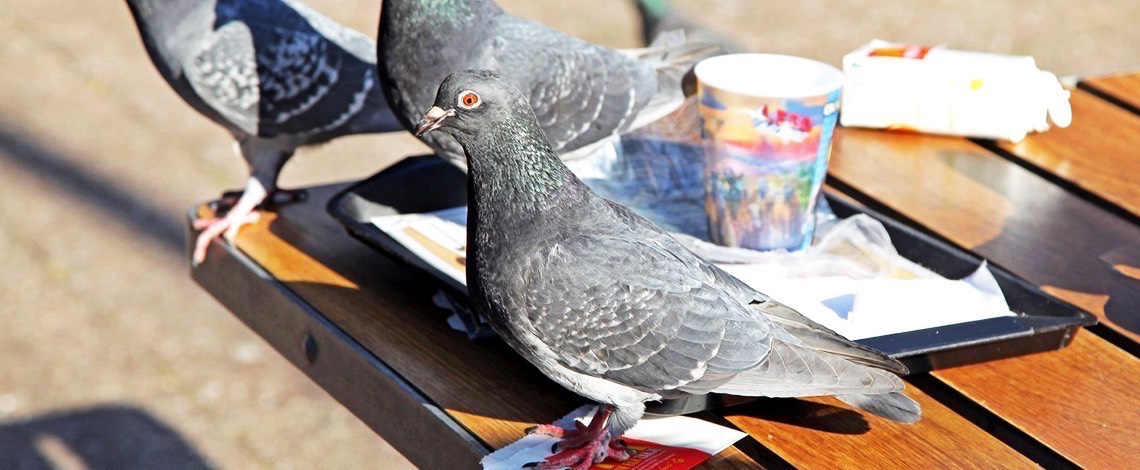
(474, 102)
(505, 148)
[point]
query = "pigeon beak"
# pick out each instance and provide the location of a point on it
(432, 120)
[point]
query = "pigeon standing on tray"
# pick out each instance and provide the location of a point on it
(275, 73)
(583, 94)
(610, 306)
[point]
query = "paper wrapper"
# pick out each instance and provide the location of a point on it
(944, 91)
(674, 443)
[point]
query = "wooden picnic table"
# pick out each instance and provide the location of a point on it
(1060, 209)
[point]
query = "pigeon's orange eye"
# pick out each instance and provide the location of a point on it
(469, 100)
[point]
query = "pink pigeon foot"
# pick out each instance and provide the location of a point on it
(583, 446)
(243, 212)
(213, 227)
(222, 206)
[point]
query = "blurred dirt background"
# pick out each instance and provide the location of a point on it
(110, 356)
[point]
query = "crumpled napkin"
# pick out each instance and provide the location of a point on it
(867, 308)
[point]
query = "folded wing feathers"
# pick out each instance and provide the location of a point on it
(820, 337)
(797, 371)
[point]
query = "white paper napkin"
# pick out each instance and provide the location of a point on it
(866, 308)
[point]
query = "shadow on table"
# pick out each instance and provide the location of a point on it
(109, 436)
(804, 413)
(1063, 230)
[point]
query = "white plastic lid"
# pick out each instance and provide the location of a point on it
(769, 75)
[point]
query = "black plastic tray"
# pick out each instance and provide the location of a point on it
(1042, 323)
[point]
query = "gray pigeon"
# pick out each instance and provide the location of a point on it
(275, 73)
(610, 306)
(583, 94)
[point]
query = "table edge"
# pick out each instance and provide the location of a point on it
(330, 357)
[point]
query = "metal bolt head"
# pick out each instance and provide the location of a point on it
(309, 347)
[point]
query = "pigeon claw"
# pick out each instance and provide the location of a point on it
(583, 446)
(432, 120)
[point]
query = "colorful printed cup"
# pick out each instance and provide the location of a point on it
(767, 122)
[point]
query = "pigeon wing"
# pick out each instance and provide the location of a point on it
(643, 311)
(269, 72)
(224, 75)
(628, 310)
(308, 83)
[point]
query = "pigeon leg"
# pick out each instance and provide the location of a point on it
(223, 204)
(558, 431)
(241, 214)
(582, 447)
(276, 198)
(279, 197)
(255, 192)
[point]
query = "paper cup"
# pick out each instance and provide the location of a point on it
(767, 122)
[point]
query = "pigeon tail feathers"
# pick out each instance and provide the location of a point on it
(822, 338)
(895, 406)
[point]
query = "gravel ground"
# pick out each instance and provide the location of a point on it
(110, 356)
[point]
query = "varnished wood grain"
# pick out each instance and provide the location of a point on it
(999, 210)
(1124, 87)
(495, 394)
(1080, 400)
(1099, 152)
(821, 431)
(1040, 232)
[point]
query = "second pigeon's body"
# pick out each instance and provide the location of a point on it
(275, 73)
(581, 93)
(610, 306)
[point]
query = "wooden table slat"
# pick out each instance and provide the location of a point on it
(1038, 231)
(807, 432)
(1106, 164)
(1123, 88)
(1081, 400)
(1000, 211)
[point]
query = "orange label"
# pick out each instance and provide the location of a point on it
(902, 52)
(652, 456)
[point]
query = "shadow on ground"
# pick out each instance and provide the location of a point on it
(110, 436)
(40, 159)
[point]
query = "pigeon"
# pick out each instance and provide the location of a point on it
(584, 95)
(275, 73)
(610, 306)
(658, 17)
